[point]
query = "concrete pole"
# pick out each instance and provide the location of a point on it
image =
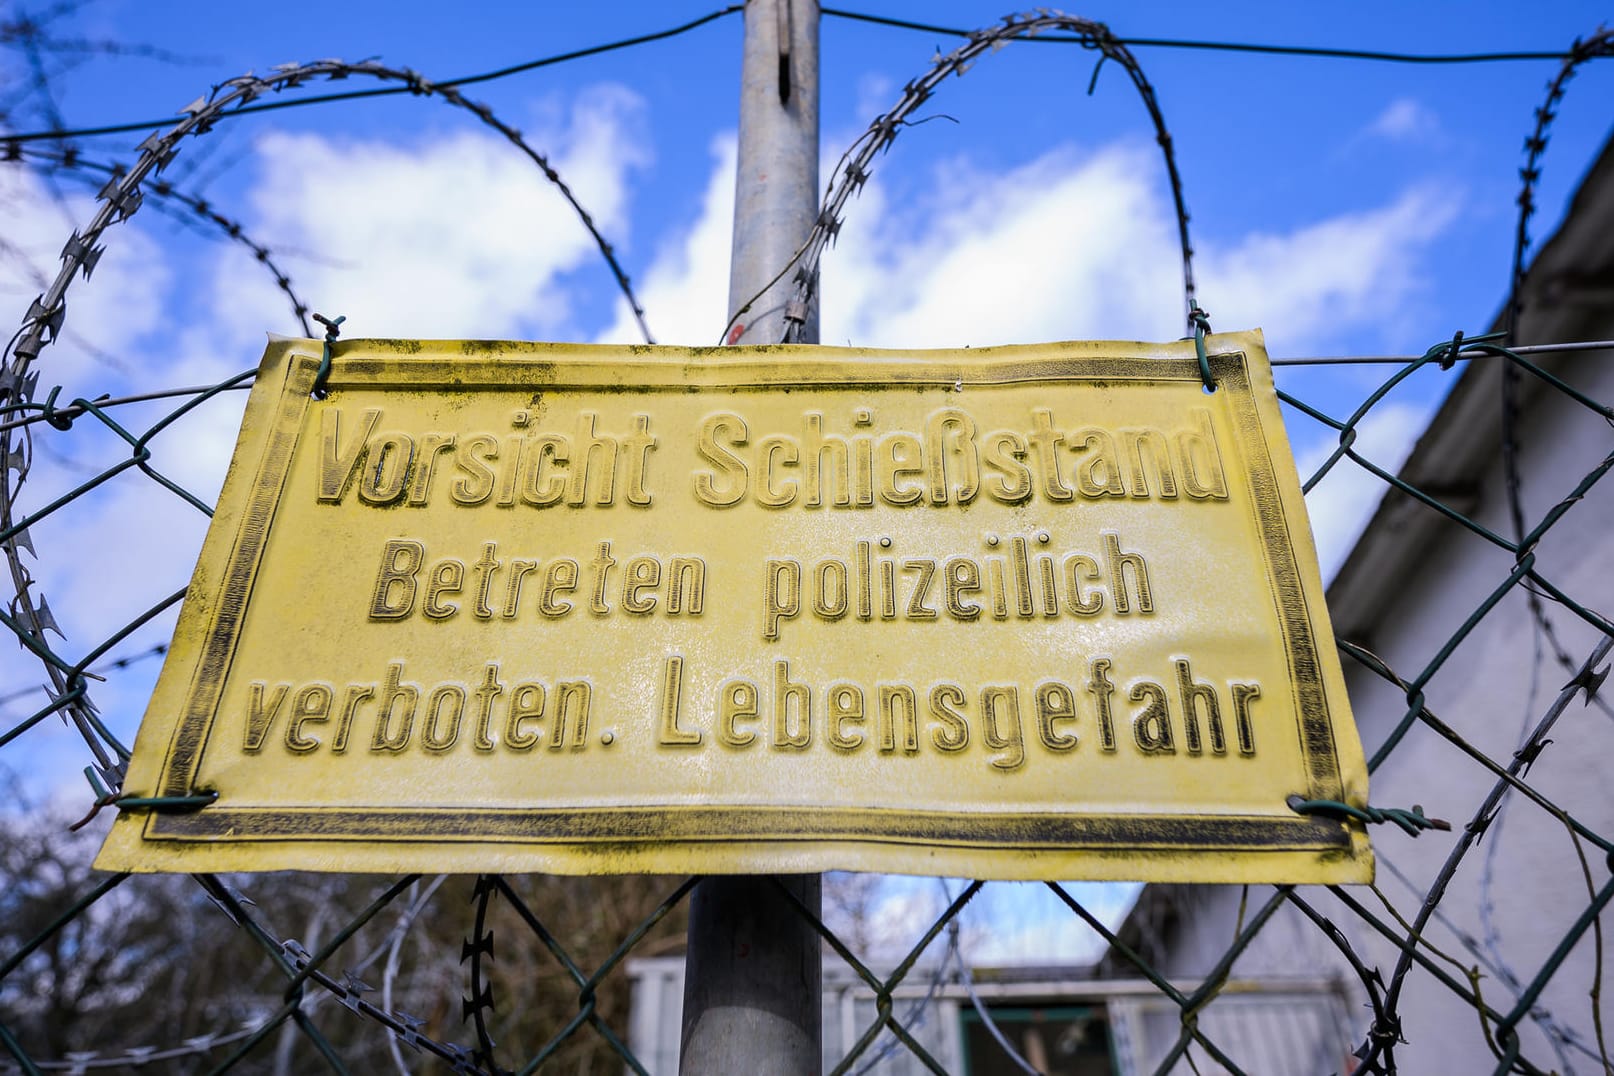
(753, 976)
(776, 196)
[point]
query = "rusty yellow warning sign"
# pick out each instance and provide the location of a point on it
(1021, 612)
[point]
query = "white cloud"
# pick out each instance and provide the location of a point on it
(1063, 247)
(1068, 246)
(1311, 287)
(107, 314)
(110, 554)
(459, 235)
(686, 288)
(104, 560)
(1405, 120)
(97, 569)
(875, 94)
(462, 236)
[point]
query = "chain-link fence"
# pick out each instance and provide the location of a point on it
(1468, 617)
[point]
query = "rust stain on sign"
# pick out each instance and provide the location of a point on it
(1025, 612)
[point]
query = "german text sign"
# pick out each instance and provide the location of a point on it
(1027, 612)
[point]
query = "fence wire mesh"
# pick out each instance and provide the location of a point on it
(1468, 616)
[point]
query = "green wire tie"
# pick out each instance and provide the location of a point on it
(1201, 323)
(1447, 352)
(1413, 821)
(131, 802)
(49, 413)
(333, 329)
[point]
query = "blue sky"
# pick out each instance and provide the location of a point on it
(1268, 146)
(1346, 207)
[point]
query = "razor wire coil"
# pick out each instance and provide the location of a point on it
(317, 974)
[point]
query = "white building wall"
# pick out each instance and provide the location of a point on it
(1518, 892)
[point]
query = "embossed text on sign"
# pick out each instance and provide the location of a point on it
(1030, 612)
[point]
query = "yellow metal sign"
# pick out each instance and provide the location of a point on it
(1027, 612)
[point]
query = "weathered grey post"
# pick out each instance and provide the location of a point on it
(752, 988)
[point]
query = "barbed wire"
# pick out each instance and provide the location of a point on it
(30, 29)
(120, 199)
(1433, 356)
(920, 1010)
(302, 967)
(71, 160)
(981, 1009)
(1534, 742)
(1490, 932)
(1598, 45)
(157, 650)
(477, 948)
(1312, 51)
(450, 83)
(227, 99)
(350, 995)
(856, 164)
(1385, 1026)
(1377, 1049)
(306, 974)
(1526, 755)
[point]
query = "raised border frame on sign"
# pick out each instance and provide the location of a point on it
(275, 420)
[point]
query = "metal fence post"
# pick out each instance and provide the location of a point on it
(752, 991)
